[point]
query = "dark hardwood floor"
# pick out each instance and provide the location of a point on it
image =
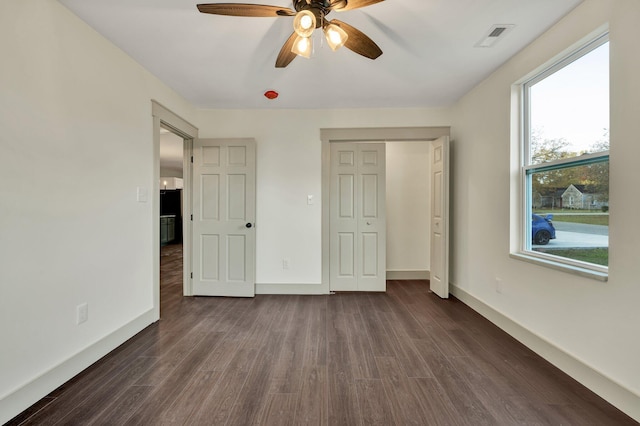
(404, 358)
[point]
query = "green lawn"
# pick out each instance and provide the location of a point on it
(599, 256)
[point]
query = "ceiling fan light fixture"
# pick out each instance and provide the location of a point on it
(307, 16)
(336, 36)
(304, 23)
(303, 46)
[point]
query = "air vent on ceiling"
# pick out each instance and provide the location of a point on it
(495, 33)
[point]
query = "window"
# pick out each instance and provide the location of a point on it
(565, 162)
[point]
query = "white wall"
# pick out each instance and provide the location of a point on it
(590, 328)
(76, 142)
(408, 204)
(289, 169)
(170, 172)
(171, 155)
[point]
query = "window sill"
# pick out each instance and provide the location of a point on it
(575, 270)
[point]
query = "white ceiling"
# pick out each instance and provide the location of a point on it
(214, 61)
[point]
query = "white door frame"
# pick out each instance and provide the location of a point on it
(376, 134)
(162, 116)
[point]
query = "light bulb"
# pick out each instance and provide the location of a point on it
(304, 23)
(302, 46)
(336, 36)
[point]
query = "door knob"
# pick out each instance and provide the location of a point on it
(248, 225)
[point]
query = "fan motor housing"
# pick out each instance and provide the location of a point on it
(320, 8)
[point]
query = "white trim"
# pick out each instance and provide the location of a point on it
(155, 217)
(318, 288)
(379, 134)
(587, 272)
(162, 116)
(15, 401)
(590, 37)
(187, 224)
(384, 134)
(173, 120)
(607, 388)
(570, 55)
(405, 274)
(520, 243)
(291, 288)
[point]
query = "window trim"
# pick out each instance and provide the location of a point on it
(585, 269)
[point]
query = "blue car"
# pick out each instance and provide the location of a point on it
(542, 229)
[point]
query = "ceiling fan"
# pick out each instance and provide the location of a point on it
(309, 15)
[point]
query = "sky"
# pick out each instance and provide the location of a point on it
(573, 103)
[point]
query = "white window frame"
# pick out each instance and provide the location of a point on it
(524, 252)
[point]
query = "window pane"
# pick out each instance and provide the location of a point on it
(569, 109)
(570, 212)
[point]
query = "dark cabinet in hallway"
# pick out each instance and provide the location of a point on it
(170, 216)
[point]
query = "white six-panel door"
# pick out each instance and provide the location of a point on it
(223, 217)
(358, 228)
(439, 274)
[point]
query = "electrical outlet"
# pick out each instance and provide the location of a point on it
(82, 313)
(499, 285)
(285, 263)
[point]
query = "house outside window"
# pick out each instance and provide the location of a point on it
(565, 162)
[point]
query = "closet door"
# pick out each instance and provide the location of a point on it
(439, 274)
(358, 226)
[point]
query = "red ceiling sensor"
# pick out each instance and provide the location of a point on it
(271, 94)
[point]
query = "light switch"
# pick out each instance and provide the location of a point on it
(142, 195)
(309, 199)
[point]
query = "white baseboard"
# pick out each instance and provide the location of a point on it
(613, 392)
(619, 396)
(291, 289)
(22, 398)
(296, 288)
(408, 274)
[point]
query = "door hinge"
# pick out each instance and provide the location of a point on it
(192, 158)
(191, 217)
(192, 275)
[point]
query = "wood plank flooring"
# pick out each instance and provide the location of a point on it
(400, 358)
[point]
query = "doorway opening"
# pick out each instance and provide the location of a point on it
(388, 136)
(172, 148)
(166, 122)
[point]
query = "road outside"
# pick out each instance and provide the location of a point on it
(578, 235)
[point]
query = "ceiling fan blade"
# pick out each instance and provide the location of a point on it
(358, 41)
(242, 9)
(352, 4)
(286, 55)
